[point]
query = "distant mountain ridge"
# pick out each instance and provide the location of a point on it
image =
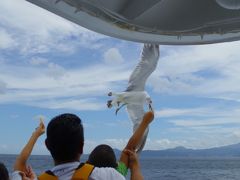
(180, 151)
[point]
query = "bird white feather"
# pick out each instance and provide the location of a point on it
(135, 95)
(145, 67)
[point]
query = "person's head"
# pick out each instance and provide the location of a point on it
(103, 156)
(65, 138)
(3, 172)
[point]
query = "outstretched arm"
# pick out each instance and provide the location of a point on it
(134, 165)
(137, 136)
(21, 161)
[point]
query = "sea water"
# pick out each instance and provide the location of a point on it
(160, 168)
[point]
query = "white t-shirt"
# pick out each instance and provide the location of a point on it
(65, 172)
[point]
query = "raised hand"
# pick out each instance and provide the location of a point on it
(40, 129)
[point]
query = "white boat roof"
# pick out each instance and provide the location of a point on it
(172, 22)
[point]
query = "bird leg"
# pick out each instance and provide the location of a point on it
(150, 107)
(109, 103)
(119, 108)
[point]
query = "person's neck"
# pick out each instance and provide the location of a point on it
(56, 162)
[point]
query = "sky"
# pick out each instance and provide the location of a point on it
(50, 66)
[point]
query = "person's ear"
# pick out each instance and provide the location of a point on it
(81, 148)
(46, 143)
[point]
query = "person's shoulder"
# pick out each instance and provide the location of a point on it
(106, 174)
(15, 175)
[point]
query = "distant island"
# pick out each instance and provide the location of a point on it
(181, 152)
(224, 151)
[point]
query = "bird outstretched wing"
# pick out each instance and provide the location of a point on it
(145, 67)
(136, 113)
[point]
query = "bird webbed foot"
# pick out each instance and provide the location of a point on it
(109, 104)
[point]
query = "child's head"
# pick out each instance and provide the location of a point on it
(103, 156)
(3, 172)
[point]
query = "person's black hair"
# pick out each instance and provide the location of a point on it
(65, 137)
(3, 172)
(102, 156)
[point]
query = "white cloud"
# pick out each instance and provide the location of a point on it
(119, 143)
(43, 32)
(3, 87)
(113, 56)
(6, 40)
(40, 149)
(34, 85)
(3, 147)
(201, 127)
(201, 117)
(14, 116)
(205, 122)
(55, 71)
(184, 112)
(116, 143)
(200, 112)
(236, 133)
(209, 70)
(89, 145)
(165, 143)
(160, 144)
(203, 142)
(76, 104)
(37, 61)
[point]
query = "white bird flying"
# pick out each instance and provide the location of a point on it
(135, 95)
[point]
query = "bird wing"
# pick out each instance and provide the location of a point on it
(145, 67)
(136, 113)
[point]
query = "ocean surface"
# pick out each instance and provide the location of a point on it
(161, 168)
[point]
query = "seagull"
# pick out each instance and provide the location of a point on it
(135, 96)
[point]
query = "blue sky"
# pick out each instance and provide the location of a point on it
(49, 66)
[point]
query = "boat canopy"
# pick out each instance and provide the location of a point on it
(170, 22)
